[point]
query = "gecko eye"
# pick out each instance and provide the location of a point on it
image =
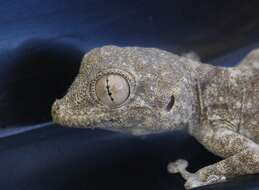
(112, 90)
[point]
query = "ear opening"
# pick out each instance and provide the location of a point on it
(170, 104)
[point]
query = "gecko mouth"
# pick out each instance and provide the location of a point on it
(66, 118)
(80, 121)
(94, 117)
(87, 119)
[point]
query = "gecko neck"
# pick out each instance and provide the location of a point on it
(200, 74)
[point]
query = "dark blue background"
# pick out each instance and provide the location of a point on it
(41, 46)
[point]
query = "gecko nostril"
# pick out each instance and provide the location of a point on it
(55, 108)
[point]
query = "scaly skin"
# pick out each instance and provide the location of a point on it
(146, 90)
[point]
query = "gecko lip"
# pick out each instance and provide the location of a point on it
(68, 116)
(64, 117)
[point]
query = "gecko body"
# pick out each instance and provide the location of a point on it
(147, 90)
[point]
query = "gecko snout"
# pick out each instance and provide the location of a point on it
(55, 109)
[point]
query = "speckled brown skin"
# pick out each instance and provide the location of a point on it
(218, 106)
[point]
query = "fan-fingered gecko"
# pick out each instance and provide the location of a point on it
(147, 90)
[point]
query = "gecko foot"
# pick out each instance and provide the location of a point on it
(177, 166)
(192, 179)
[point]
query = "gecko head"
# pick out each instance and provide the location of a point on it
(136, 90)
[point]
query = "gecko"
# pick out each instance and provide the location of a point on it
(141, 91)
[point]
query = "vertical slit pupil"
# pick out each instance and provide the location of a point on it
(170, 104)
(108, 89)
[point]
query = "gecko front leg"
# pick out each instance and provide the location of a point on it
(193, 180)
(240, 153)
